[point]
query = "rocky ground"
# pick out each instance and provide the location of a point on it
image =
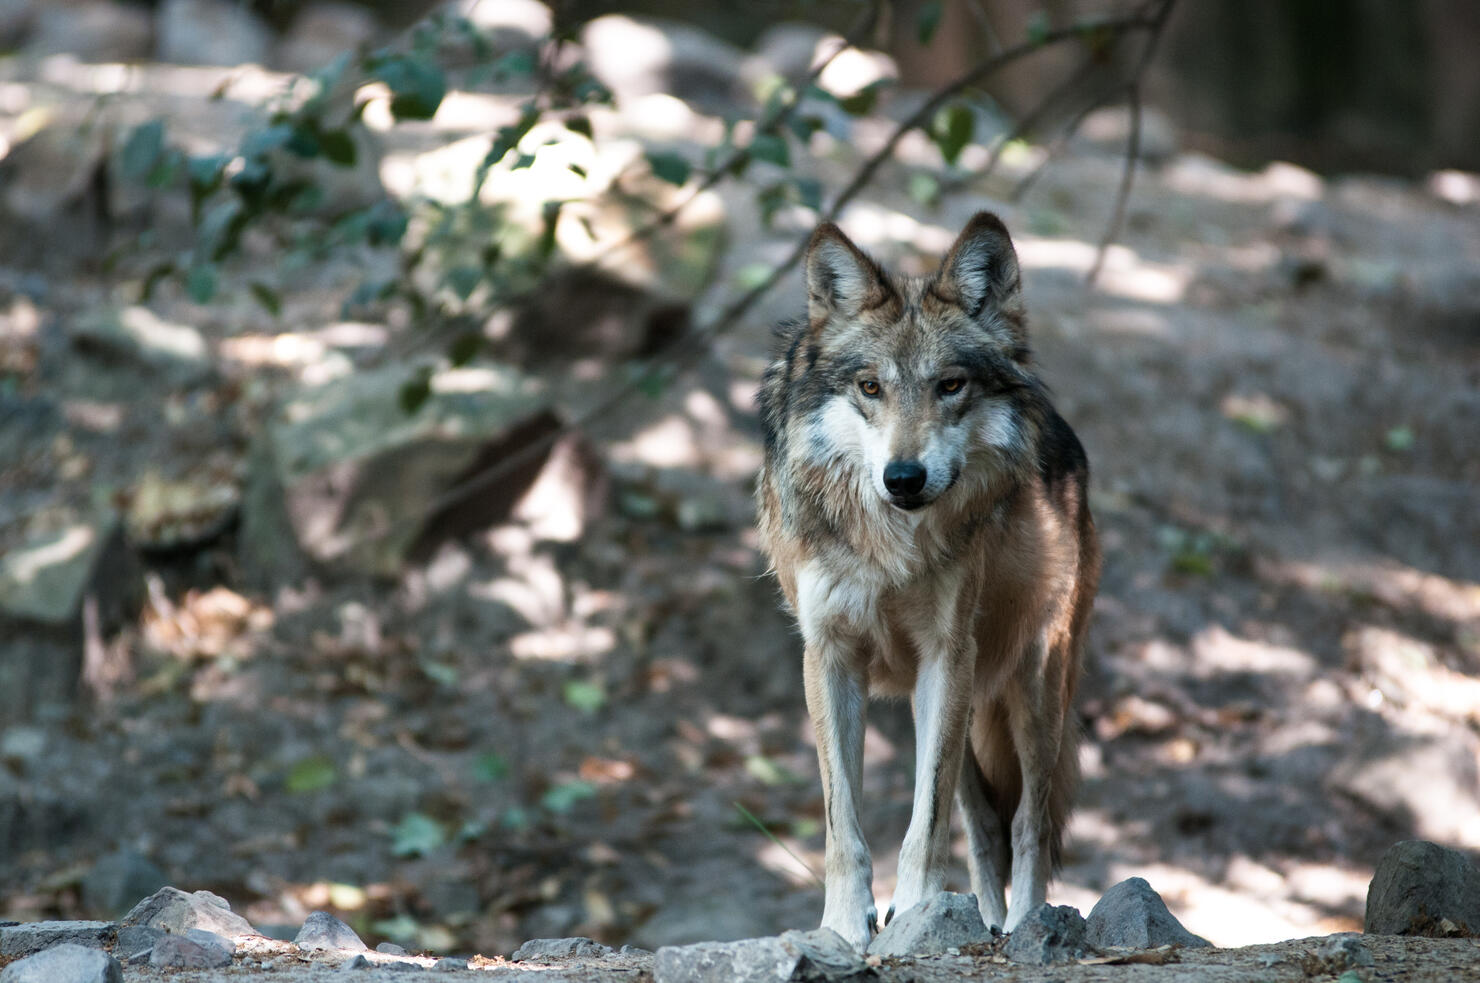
(559, 724)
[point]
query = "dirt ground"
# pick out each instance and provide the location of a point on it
(1278, 384)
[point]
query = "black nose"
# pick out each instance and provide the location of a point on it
(904, 477)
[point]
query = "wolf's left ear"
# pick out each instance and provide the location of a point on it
(841, 279)
(981, 267)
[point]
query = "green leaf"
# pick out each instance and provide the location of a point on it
(927, 20)
(767, 771)
(579, 124)
(587, 697)
(772, 148)
(442, 673)
(809, 192)
(465, 347)
(339, 148)
(1399, 439)
(924, 188)
(416, 391)
(200, 282)
(863, 101)
(490, 766)
(152, 280)
(1038, 27)
(260, 142)
(311, 774)
(416, 835)
(267, 297)
(562, 798)
(417, 86)
(304, 141)
(520, 62)
(669, 167)
(142, 150)
(952, 129)
(463, 280)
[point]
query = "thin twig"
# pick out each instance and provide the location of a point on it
(772, 837)
(1132, 143)
(1065, 134)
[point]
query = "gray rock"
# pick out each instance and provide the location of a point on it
(321, 32)
(48, 578)
(819, 955)
(138, 338)
(391, 949)
(135, 941)
(94, 31)
(65, 963)
(175, 911)
(556, 950)
(1048, 935)
(196, 949)
(687, 920)
(356, 962)
(322, 932)
(1421, 888)
(29, 937)
(119, 879)
(946, 921)
(1132, 915)
(210, 32)
(362, 485)
(636, 58)
(1343, 952)
(449, 964)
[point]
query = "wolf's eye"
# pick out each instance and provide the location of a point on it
(870, 387)
(949, 386)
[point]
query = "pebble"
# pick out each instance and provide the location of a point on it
(322, 932)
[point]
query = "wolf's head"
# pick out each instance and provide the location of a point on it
(916, 376)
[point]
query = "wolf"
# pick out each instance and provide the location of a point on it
(926, 512)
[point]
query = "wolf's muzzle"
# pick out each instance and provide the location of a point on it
(904, 480)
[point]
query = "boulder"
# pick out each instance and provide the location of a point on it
(93, 31)
(323, 31)
(559, 950)
(946, 921)
(173, 910)
(29, 937)
(196, 949)
(66, 963)
(1048, 935)
(638, 57)
(1421, 888)
(138, 339)
(211, 32)
(345, 477)
(1132, 915)
(816, 956)
(322, 932)
(117, 880)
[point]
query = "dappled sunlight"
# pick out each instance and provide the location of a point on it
(1125, 274)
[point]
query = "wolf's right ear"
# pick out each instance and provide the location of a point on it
(841, 279)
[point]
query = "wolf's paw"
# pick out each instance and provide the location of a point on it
(857, 924)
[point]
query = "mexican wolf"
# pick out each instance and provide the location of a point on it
(925, 510)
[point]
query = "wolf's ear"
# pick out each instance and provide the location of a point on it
(840, 278)
(982, 266)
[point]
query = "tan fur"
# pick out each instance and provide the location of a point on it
(975, 602)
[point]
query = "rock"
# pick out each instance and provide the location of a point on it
(117, 880)
(49, 578)
(322, 932)
(361, 485)
(1048, 935)
(1134, 916)
(819, 955)
(29, 937)
(93, 31)
(52, 180)
(1344, 951)
(1421, 888)
(196, 949)
(555, 950)
(636, 58)
(936, 924)
(323, 31)
(136, 941)
(173, 910)
(32, 818)
(1106, 131)
(210, 32)
(686, 920)
(65, 963)
(391, 949)
(449, 964)
(357, 962)
(139, 339)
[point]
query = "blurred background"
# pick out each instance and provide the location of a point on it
(377, 434)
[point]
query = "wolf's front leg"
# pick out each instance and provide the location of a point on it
(837, 695)
(1036, 722)
(941, 702)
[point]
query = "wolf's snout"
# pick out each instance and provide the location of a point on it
(904, 477)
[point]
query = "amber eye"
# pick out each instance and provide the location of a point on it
(949, 386)
(870, 387)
